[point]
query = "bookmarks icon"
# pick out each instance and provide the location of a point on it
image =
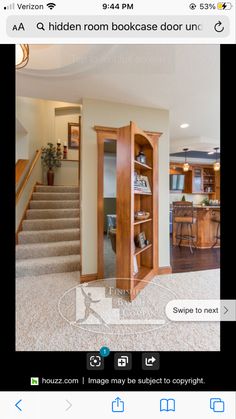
(167, 405)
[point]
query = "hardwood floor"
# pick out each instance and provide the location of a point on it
(183, 261)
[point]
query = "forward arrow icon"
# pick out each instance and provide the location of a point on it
(68, 405)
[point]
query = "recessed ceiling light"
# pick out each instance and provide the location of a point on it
(211, 152)
(184, 125)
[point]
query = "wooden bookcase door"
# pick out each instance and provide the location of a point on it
(130, 141)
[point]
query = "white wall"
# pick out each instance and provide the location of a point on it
(97, 112)
(109, 175)
(30, 132)
(66, 175)
(42, 121)
(36, 125)
(40, 125)
(62, 119)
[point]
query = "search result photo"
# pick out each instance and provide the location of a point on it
(117, 197)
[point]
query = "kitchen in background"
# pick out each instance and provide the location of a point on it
(195, 229)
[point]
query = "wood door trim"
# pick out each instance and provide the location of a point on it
(103, 133)
(163, 270)
(88, 277)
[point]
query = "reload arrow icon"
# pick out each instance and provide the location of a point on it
(219, 27)
(69, 405)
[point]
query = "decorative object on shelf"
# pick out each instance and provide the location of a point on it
(210, 202)
(183, 198)
(205, 202)
(59, 146)
(135, 265)
(141, 183)
(51, 159)
(65, 151)
(186, 164)
(216, 165)
(214, 202)
(140, 240)
(22, 55)
(73, 135)
(141, 158)
(141, 215)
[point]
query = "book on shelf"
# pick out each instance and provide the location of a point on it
(135, 266)
(141, 183)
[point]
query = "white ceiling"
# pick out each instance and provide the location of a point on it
(182, 78)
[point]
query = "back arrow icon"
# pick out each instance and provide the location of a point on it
(69, 405)
(17, 405)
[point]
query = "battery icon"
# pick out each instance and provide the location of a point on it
(224, 6)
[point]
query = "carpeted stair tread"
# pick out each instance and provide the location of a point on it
(51, 224)
(35, 214)
(45, 188)
(44, 236)
(49, 265)
(65, 204)
(50, 238)
(40, 250)
(54, 196)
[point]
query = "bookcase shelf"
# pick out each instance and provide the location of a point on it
(137, 222)
(139, 166)
(139, 250)
(142, 193)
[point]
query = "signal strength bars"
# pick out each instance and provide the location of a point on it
(10, 7)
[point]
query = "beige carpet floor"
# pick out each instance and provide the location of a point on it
(40, 325)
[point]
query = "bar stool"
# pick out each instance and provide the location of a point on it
(216, 219)
(183, 215)
(112, 235)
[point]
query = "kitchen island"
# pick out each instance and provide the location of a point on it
(204, 229)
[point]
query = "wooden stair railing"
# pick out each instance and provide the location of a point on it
(27, 176)
(21, 165)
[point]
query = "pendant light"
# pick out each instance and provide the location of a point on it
(22, 55)
(216, 165)
(186, 164)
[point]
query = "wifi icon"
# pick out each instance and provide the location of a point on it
(51, 5)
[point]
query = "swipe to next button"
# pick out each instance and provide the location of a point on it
(201, 310)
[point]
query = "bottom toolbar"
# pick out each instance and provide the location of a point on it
(104, 405)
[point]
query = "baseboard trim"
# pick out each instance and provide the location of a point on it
(164, 270)
(88, 277)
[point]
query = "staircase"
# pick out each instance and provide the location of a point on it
(49, 240)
